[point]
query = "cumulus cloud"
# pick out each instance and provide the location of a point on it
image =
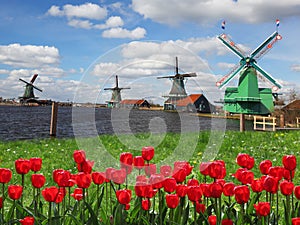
(28, 56)
(113, 21)
(84, 24)
(295, 68)
(119, 32)
(86, 11)
(211, 11)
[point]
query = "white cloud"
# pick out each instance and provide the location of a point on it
(113, 21)
(212, 11)
(28, 56)
(119, 32)
(86, 11)
(295, 68)
(85, 24)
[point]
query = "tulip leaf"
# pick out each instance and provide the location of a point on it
(118, 215)
(92, 216)
(185, 215)
(73, 219)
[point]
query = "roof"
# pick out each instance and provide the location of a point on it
(293, 105)
(132, 101)
(191, 99)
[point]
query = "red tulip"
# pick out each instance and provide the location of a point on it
(172, 200)
(296, 221)
(15, 191)
(50, 193)
(297, 192)
(262, 208)
(227, 222)
(192, 182)
(35, 164)
(61, 194)
(180, 175)
(156, 180)
(22, 166)
(288, 175)
(38, 180)
(83, 180)
(108, 172)
(289, 162)
(181, 190)
(241, 194)
(228, 189)
(86, 166)
(138, 162)
(62, 177)
(179, 165)
(264, 166)
(270, 184)
(5, 175)
(205, 190)
(194, 193)
(169, 184)
(276, 171)
(141, 188)
(150, 169)
(257, 186)
(245, 176)
(286, 187)
(141, 178)
(28, 220)
(126, 158)
(123, 196)
(245, 161)
(146, 204)
(200, 208)
(166, 170)
(216, 190)
(118, 176)
(98, 178)
(216, 170)
(147, 153)
(212, 220)
(79, 156)
(77, 194)
(204, 168)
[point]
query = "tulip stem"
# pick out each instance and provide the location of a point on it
(277, 203)
(171, 216)
(3, 198)
(195, 214)
(49, 213)
(160, 206)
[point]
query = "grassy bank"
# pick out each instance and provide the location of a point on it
(57, 153)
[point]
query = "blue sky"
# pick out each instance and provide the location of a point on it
(77, 46)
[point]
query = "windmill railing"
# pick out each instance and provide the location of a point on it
(264, 123)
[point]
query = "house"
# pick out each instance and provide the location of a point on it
(291, 111)
(195, 103)
(134, 103)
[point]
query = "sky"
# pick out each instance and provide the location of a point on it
(77, 47)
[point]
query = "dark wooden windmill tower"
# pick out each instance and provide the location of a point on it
(28, 95)
(177, 91)
(116, 95)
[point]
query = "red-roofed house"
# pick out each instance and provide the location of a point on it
(134, 103)
(193, 103)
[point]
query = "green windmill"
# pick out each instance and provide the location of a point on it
(28, 95)
(248, 97)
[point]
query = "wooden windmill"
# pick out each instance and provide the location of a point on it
(248, 97)
(116, 95)
(28, 95)
(177, 91)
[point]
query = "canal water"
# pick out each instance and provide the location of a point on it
(21, 122)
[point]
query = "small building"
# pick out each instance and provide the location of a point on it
(195, 103)
(134, 103)
(291, 111)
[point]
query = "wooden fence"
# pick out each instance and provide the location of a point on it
(265, 123)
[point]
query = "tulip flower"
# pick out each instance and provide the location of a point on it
(245, 160)
(62, 177)
(204, 168)
(296, 221)
(262, 208)
(172, 201)
(150, 169)
(216, 190)
(77, 194)
(257, 186)
(126, 158)
(212, 220)
(138, 162)
(276, 171)
(146, 204)
(118, 176)
(35, 164)
(156, 180)
(169, 184)
(180, 175)
(15, 191)
(148, 153)
(123, 196)
(241, 194)
(28, 220)
(166, 170)
(181, 190)
(98, 178)
(289, 162)
(86, 166)
(50, 193)
(194, 193)
(297, 192)
(286, 187)
(38, 180)
(228, 189)
(227, 222)
(22, 166)
(270, 184)
(216, 170)
(264, 166)
(192, 182)
(83, 180)
(5, 175)
(200, 208)
(79, 156)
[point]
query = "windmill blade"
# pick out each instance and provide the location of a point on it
(33, 78)
(231, 45)
(227, 78)
(266, 75)
(124, 88)
(187, 75)
(37, 88)
(106, 89)
(166, 77)
(264, 44)
(25, 81)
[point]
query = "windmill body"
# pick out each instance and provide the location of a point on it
(28, 95)
(248, 97)
(116, 95)
(177, 91)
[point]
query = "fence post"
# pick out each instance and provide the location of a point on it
(281, 121)
(53, 123)
(242, 122)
